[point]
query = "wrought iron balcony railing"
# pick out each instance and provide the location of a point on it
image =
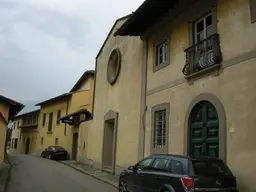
(205, 54)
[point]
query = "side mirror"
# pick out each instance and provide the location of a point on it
(132, 168)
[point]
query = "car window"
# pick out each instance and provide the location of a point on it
(175, 166)
(159, 164)
(59, 148)
(210, 168)
(49, 148)
(144, 164)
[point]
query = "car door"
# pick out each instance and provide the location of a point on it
(134, 178)
(154, 177)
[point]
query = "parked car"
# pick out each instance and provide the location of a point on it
(174, 173)
(55, 153)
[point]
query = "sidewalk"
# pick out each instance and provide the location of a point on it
(93, 172)
(4, 174)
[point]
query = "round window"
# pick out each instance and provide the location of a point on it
(114, 65)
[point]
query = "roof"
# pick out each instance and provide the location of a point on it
(15, 106)
(82, 78)
(2, 117)
(24, 114)
(57, 98)
(110, 32)
(29, 107)
(145, 16)
(75, 113)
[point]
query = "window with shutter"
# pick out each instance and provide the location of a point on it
(44, 117)
(58, 116)
(50, 122)
(253, 10)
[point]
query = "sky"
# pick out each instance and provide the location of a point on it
(46, 45)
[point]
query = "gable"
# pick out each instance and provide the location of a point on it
(85, 85)
(118, 23)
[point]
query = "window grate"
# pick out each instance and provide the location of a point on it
(160, 129)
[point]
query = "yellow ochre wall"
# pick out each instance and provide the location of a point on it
(32, 135)
(16, 133)
(81, 98)
(123, 97)
(4, 109)
(234, 86)
(58, 130)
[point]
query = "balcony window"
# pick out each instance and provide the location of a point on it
(161, 54)
(205, 51)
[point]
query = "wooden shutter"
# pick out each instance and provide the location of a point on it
(44, 116)
(50, 122)
(58, 116)
(253, 10)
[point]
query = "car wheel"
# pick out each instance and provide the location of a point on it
(49, 157)
(122, 185)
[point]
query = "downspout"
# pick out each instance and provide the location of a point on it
(143, 107)
(65, 131)
(94, 86)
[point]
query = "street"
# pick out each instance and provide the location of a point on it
(30, 174)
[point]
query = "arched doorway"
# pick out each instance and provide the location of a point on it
(27, 146)
(203, 133)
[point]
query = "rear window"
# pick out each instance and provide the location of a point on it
(210, 168)
(177, 166)
(58, 148)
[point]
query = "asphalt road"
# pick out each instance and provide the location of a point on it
(34, 174)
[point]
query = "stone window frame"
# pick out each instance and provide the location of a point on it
(44, 119)
(252, 4)
(58, 117)
(156, 44)
(216, 102)
(199, 14)
(112, 78)
(159, 107)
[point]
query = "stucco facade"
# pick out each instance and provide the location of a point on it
(26, 125)
(8, 109)
(82, 97)
(16, 135)
(62, 111)
(4, 109)
(50, 131)
(110, 139)
(229, 87)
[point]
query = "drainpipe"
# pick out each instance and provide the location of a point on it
(65, 131)
(143, 107)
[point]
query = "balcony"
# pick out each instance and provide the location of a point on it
(203, 56)
(29, 124)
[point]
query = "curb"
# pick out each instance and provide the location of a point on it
(89, 174)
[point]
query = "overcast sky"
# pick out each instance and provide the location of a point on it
(46, 45)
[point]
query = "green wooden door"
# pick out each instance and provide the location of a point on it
(204, 130)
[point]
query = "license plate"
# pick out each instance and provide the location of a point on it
(61, 152)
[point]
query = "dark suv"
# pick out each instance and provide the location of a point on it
(174, 173)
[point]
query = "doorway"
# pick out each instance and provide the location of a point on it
(27, 146)
(74, 146)
(109, 142)
(204, 130)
